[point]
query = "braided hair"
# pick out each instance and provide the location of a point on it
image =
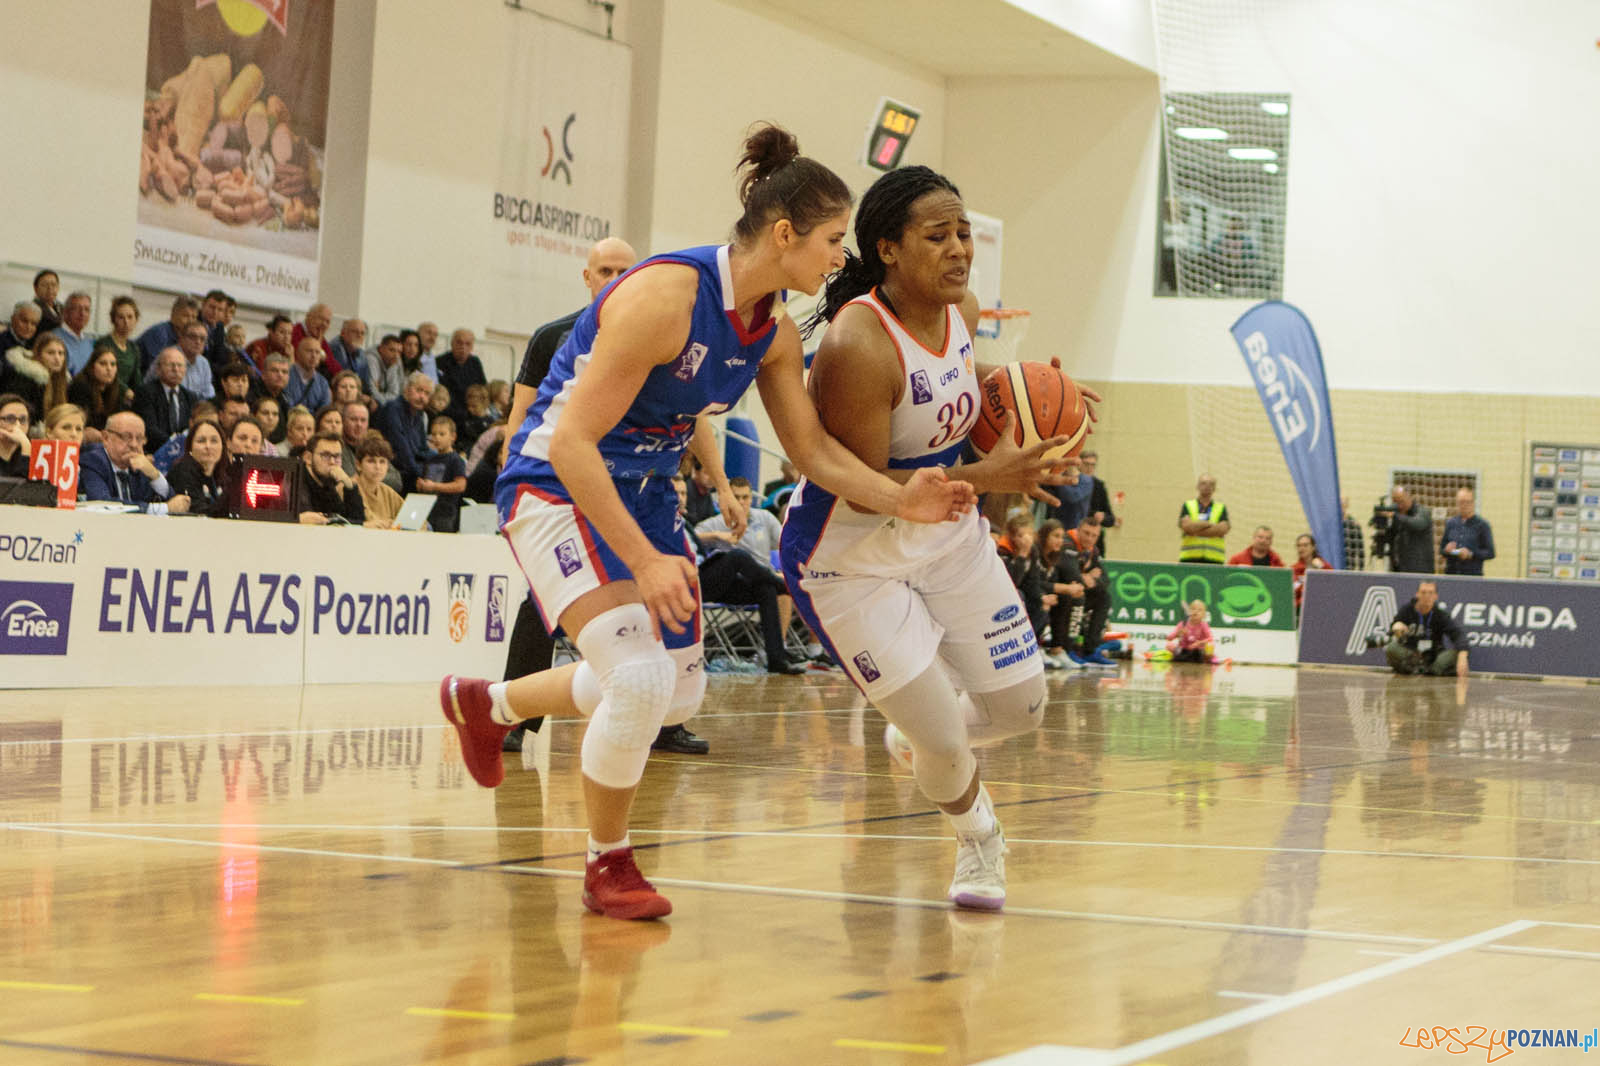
(884, 214)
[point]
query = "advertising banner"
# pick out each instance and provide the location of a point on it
(563, 166)
(230, 162)
(1250, 608)
(1512, 626)
(94, 599)
(1286, 365)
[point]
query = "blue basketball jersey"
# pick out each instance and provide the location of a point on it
(712, 371)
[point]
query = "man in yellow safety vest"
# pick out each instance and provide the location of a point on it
(1205, 522)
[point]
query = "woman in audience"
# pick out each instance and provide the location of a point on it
(267, 413)
(65, 422)
(14, 444)
(200, 473)
(120, 342)
(1306, 558)
(39, 376)
(372, 465)
(98, 391)
(245, 438)
(346, 389)
(330, 420)
(298, 428)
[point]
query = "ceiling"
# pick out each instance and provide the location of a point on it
(954, 38)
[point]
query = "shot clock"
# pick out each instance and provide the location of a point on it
(887, 139)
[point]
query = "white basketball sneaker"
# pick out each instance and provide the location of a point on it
(980, 881)
(898, 747)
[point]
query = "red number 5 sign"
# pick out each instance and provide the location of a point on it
(56, 461)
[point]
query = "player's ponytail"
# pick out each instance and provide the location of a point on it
(776, 181)
(885, 210)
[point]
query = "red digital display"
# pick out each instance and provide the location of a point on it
(890, 133)
(888, 148)
(257, 488)
(263, 487)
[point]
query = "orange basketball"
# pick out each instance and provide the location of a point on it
(1051, 406)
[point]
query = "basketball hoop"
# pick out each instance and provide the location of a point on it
(1000, 333)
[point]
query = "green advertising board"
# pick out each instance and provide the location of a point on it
(1249, 608)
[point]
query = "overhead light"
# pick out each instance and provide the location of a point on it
(1275, 107)
(1171, 110)
(1270, 168)
(1252, 153)
(1201, 133)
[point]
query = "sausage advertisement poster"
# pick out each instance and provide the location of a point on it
(231, 155)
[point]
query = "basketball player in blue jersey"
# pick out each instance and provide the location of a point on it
(895, 380)
(587, 503)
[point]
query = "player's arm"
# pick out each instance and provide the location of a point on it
(927, 496)
(704, 446)
(645, 323)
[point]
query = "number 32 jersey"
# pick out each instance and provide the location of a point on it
(938, 406)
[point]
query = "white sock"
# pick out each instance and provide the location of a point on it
(500, 707)
(978, 820)
(597, 849)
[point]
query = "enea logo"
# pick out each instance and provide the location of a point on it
(460, 606)
(1287, 392)
(34, 617)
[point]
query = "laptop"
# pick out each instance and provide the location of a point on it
(479, 518)
(414, 511)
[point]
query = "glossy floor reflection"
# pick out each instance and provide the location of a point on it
(1249, 866)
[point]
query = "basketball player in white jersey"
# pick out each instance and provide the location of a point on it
(588, 507)
(895, 380)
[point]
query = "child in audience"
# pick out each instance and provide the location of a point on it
(1016, 547)
(442, 472)
(1191, 640)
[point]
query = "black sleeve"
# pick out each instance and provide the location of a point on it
(354, 508)
(1100, 500)
(1452, 631)
(542, 349)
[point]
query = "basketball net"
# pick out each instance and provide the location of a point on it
(1000, 334)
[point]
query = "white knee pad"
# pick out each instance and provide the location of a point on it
(637, 678)
(1007, 712)
(586, 691)
(691, 687)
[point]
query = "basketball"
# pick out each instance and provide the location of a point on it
(1050, 406)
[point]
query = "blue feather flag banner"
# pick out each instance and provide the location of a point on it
(1285, 362)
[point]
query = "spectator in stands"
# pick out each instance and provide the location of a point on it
(1260, 552)
(40, 376)
(499, 398)
(439, 401)
(1411, 548)
(386, 379)
(702, 501)
(330, 420)
(319, 317)
(124, 317)
(65, 422)
(327, 493)
(279, 338)
(74, 331)
(274, 382)
(442, 472)
(299, 425)
(98, 391)
(230, 412)
(1061, 580)
(268, 413)
(233, 339)
(245, 438)
(1204, 521)
(307, 387)
(1425, 639)
(163, 335)
(163, 404)
(167, 456)
(1026, 570)
(20, 333)
(348, 353)
(788, 477)
(1085, 541)
(118, 469)
(213, 315)
(484, 462)
(233, 383)
(198, 474)
(1355, 544)
(475, 420)
(761, 534)
(15, 446)
(46, 284)
(1191, 640)
(1099, 496)
(197, 373)
(411, 353)
(372, 470)
(346, 388)
(1075, 501)
(1468, 542)
(353, 426)
(428, 360)
(460, 369)
(404, 425)
(1306, 558)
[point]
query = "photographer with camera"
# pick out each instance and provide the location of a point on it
(1403, 530)
(1419, 636)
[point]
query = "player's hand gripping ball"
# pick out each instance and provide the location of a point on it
(1050, 406)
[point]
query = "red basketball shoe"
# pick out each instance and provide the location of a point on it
(465, 702)
(614, 887)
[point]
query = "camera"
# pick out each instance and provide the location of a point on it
(1382, 523)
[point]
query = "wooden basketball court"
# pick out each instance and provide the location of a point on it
(1250, 866)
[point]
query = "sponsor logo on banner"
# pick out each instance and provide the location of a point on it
(867, 668)
(460, 606)
(554, 167)
(689, 362)
(35, 617)
(1240, 597)
(920, 392)
(1372, 618)
(1487, 624)
(495, 622)
(1006, 613)
(567, 557)
(244, 17)
(24, 548)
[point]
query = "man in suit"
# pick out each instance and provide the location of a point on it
(118, 469)
(163, 404)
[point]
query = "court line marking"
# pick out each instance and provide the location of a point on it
(722, 834)
(1223, 1023)
(1385, 954)
(1553, 953)
(764, 890)
(265, 1001)
(1572, 925)
(44, 986)
(889, 1045)
(676, 1030)
(470, 1015)
(1229, 993)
